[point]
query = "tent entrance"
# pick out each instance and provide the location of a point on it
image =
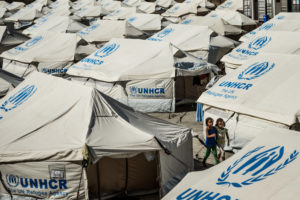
(123, 177)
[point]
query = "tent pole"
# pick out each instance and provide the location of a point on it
(98, 181)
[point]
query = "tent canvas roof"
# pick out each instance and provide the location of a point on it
(118, 61)
(289, 22)
(103, 31)
(60, 47)
(185, 37)
(237, 177)
(261, 87)
(73, 116)
(180, 9)
(264, 42)
(233, 5)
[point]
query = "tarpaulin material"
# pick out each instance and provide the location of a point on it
(234, 5)
(180, 9)
(60, 47)
(264, 42)
(185, 37)
(103, 31)
(266, 169)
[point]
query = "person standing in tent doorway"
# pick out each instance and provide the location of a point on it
(221, 133)
(210, 142)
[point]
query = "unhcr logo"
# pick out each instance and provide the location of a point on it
(213, 15)
(159, 36)
(259, 43)
(173, 10)
(255, 166)
(89, 29)
(187, 21)
(12, 180)
(114, 13)
(26, 46)
(17, 99)
(256, 70)
(280, 17)
(266, 27)
(132, 19)
(107, 50)
(146, 91)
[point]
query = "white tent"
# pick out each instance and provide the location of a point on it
(89, 11)
(144, 82)
(110, 6)
(60, 3)
(59, 52)
(289, 22)
(164, 3)
(15, 6)
(233, 5)
(185, 37)
(53, 23)
(232, 17)
(103, 31)
(145, 22)
(213, 22)
(258, 94)
(79, 123)
(131, 3)
(147, 7)
(81, 4)
(268, 42)
(266, 169)
(60, 47)
(24, 14)
(121, 13)
(180, 9)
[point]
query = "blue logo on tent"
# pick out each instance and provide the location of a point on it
(165, 32)
(33, 41)
(255, 166)
(227, 4)
(107, 50)
(88, 29)
(174, 9)
(256, 70)
(280, 17)
(187, 21)
(132, 19)
(259, 43)
(213, 15)
(266, 27)
(17, 99)
(12, 180)
(114, 13)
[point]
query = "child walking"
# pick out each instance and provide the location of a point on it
(221, 133)
(210, 142)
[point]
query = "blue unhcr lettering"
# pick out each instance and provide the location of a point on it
(184, 195)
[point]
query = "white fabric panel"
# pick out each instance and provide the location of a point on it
(214, 22)
(53, 24)
(15, 6)
(33, 179)
(185, 37)
(121, 13)
(231, 5)
(233, 17)
(261, 87)
(145, 22)
(24, 14)
(81, 4)
(2, 12)
(119, 62)
(180, 9)
(282, 22)
(264, 42)
(103, 31)
(132, 3)
(60, 47)
(147, 7)
(89, 11)
(267, 168)
(164, 3)
(110, 6)
(17, 68)
(2, 32)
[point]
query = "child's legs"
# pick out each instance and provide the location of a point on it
(214, 152)
(208, 149)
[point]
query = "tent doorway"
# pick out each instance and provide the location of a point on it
(123, 177)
